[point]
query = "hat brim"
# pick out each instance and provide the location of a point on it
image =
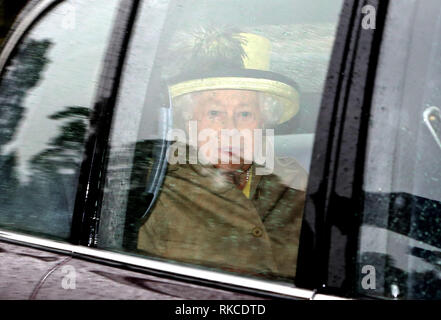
(286, 94)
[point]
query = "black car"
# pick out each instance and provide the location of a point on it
(84, 106)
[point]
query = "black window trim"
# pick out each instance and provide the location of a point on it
(27, 18)
(329, 237)
(93, 169)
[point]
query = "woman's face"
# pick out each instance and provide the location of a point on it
(232, 116)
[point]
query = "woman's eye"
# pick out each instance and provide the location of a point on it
(213, 113)
(245, 114)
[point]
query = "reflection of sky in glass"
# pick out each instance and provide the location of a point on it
(79, 31)
(301, 51)
(301, 32)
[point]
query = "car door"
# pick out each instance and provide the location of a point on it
(52, 63)
(381, 216)
(141, 113)
(81, 211)
(399, 239)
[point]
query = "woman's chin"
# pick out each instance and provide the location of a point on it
(229, 166)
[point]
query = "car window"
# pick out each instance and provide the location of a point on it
(400, 240)
(46, 97)
(212, 137)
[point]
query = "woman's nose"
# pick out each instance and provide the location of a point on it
(229, 123)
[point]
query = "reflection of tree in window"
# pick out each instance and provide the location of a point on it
(47, 199)
(64, 152)
(23, 74)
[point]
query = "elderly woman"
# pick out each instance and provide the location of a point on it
(222, 213)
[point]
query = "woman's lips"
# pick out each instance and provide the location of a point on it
(231, 151)
(233, 154)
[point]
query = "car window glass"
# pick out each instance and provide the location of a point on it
(46, 97)
(201, 76)
(400, 240)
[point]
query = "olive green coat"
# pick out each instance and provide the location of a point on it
(202, 218)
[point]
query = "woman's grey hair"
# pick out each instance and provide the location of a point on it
(271, 109)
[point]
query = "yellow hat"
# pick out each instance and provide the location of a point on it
(253, 75)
